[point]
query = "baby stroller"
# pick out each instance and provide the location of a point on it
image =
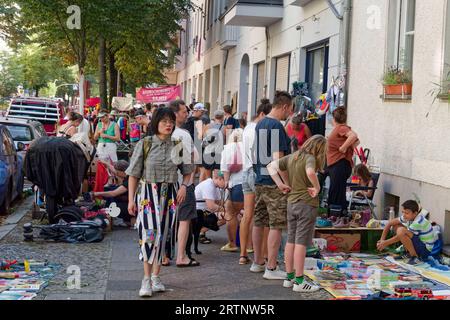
(58, 166)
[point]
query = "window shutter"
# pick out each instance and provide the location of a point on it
(260, 83)
(282, 74)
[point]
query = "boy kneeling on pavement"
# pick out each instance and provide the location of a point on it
(415, 232)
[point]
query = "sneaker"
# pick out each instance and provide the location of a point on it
(305, 287)
(414, 261)
(288, 283)
(146, 288)
(276, 274)
(228, 248)
(118, 222)
(157, 285)
(323, 223)
(257, 268)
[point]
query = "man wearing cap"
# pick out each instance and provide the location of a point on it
(198, 113)
(144, 121)
(107, 133)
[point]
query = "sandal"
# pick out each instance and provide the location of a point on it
(244, 260)
(204, 240)
(192, 263)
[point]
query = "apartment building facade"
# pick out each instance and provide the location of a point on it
(407, 133)
(237, 52)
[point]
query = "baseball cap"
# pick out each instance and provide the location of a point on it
(102, 114)
(199, 107)
(140, 113)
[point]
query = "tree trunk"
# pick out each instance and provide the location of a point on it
(112, 76)
(102, 77)
(81, 91)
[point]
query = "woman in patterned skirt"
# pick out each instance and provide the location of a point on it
(154, 194)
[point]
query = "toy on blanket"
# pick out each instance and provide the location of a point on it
(7, 264)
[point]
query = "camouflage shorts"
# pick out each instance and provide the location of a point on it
(271, 207)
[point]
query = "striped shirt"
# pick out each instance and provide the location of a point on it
(422, 228)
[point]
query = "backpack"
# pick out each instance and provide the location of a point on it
(135, 133)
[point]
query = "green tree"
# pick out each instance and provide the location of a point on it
(136, 32)
(11, 75)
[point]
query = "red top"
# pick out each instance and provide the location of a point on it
(336, 139)
(299, 135)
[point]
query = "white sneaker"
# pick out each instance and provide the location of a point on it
(288, 283)
(305, 287)
(146, 288)
(276, 274)
(257, 268)
(157, 285)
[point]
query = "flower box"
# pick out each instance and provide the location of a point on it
(398, 89)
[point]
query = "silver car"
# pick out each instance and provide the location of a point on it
(24, 131)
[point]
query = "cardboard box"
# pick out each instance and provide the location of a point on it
(344, 241)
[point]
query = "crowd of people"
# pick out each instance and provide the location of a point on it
(258, 179)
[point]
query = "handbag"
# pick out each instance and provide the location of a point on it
(236, 164)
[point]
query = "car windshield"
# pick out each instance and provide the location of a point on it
(20, 133)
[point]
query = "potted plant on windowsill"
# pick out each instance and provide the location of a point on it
(441, 91)
(397, 82)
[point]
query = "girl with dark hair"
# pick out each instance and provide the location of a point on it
(365, 180)
(154, 163)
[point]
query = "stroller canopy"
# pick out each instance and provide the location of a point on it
(57, 166)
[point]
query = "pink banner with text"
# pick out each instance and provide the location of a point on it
(158, 95)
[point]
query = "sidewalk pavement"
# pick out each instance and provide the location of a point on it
(110, 270)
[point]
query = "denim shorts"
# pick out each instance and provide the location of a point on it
(236, 194)
(248, 181)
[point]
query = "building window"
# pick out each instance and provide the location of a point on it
(401, 26)
(282, 73)
(446, 76)
(317, 70)
(260, 84)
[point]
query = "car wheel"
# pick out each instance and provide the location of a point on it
(5, 208)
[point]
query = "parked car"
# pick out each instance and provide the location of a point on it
(49, 112)
(24, 131)
(11, 170)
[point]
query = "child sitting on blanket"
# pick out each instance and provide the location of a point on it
(415, 233)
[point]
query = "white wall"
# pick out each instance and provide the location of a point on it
(412, 150)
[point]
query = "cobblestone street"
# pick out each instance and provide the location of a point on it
(111, 270)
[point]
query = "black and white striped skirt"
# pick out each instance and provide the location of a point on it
(156, 204)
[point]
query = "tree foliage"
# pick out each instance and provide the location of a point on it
(138, 32)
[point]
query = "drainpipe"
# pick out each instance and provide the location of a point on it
(224, 73)
(344, 44)
(266, 68)
(346, 50)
